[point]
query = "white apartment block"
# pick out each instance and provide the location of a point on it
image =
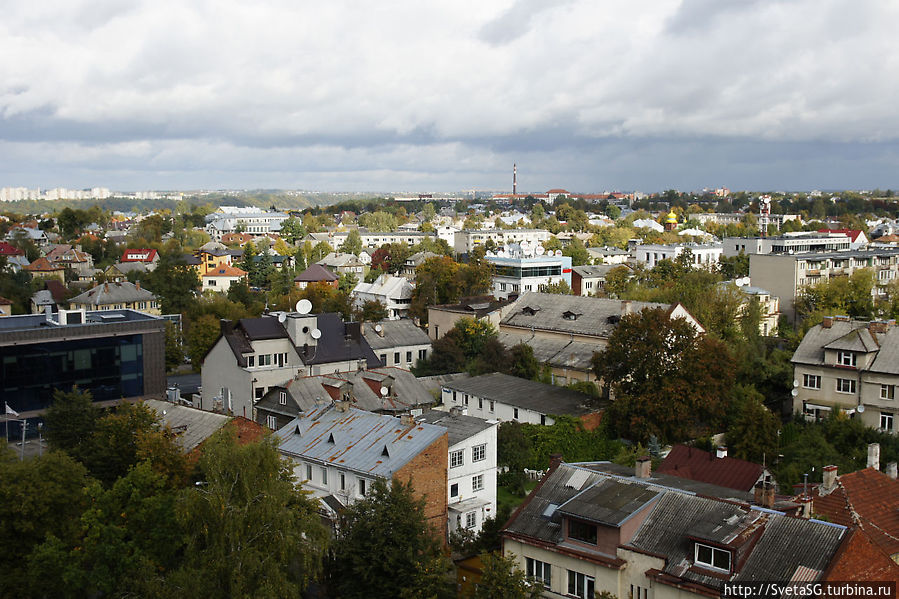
(704, 255)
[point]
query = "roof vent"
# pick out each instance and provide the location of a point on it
(331, 438)
(297, 431)
(385, 452)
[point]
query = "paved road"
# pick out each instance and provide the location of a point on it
(188, 383)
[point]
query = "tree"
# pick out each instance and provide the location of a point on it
(513, 451)
(385, 547)
(353, 243)
(250, 530)
(522, 362)
(668, 381)
(372, 311)
(378, 221)
(292, 230)
(174, 353)
(560, 288)
(204, 331)
(174, 282)
(752, 434)
(577, 251)
(503, 579)
(70, 421)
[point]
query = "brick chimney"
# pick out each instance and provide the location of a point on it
(827, 322)
(554, 460)
(137, 285)
(763, 493)
(874, 455)
(828, 479)
(643, 467)
(805, 502)
(891, 470)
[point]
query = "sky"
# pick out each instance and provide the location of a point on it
(444, 96)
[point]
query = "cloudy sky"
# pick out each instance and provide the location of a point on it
(440, 96)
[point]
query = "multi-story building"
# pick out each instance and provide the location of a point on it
(467, 240)
(395, 293)
(516, 275)
(148, 257)
(590, 280)
(443, 318)
(114, 354)
(704, 255)
(347, 264)
(374, 239)
(793, 243)
(117, 296)
(849, 365)
(339, 451)
(253, 221)
(255, 354)
(584, 530)
(769, 308)
(471, 477)
(397, 342)
(784, 275)
(221, 278)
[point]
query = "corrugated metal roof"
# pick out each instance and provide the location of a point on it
(356, 440)
(523, 393)
(394, 333)
(191, 425)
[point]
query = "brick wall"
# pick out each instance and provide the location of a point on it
(427, 473)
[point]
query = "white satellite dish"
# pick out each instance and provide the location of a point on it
(860, 409)
(316, 334)
(384, 391)
(378, 328)
(558, 252)
(540, 250)
(304, 306)
(282, 317)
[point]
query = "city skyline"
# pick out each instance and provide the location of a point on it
(685, 95)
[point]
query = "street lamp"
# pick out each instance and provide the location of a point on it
(40, 440)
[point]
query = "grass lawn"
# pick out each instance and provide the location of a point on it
(504, 497)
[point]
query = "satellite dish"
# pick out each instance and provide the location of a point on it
(558, 252)
(304, 306)
(794, 392)
(384, 391)
(282, 317)
(860, 409)
(378, 328)
(316, 334)
(540, 250)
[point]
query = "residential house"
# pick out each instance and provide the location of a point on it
(513, 275)
(397, 342)
(793, 243)
(503, 397)
(466, 240)
(45, 269)
(220, 278)
(33, 234)
(213, 255)
(769, 308)
(849, 365)
(9, 250)
(374, 239)
(857, 238)
(338, 452)
(715, 468)
(704, 256)
(250, 220)
(117, 296)
(471, 477)
(316, 274)
(590, 280)
(146, 256)
(442, 318)
(52, 297)
(382, 390)
(253, 355)
(583, 531)
(344, 263)
(414, 261)
(565, 331)
(609, 255)
(192, 427)
(785, 275)
(79, 262)
(119, 271)
(394, 292)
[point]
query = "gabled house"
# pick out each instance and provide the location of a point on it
(583, 531)
(117, 296)
(45, 269)
(715, 468)
(344, 263)
(338, 452)
(147, 256)
(471, 478)
(253, 355)
(848, 365)
(52, 297)
(315, 274)
(394, 292)
(220, 278)
(590, 280)
(397, 342)
(119, 271)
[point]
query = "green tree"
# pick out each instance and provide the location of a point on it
(174, 282)
(385, 547)
(70, 421)
(503, 579)
(522, 362)
(378, 221)
(250, 530)
(174, 353)
(372, 311)
(292, 230)
(752, 433)
(353, 243)
(578, 252)
(204, 331)
(514, 451)
(560, 288)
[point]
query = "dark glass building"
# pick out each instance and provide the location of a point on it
(114, 354)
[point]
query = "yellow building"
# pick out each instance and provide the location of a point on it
(117, 296)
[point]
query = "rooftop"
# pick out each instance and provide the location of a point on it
(704, 466)
(460, 427)
(393, 333)
(523, 393)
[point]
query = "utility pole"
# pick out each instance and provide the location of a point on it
(24, 426)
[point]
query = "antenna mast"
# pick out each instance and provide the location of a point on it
(514, 180)
(764, 213)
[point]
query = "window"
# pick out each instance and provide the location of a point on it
(471, 519)
(342, 481)
(308, 471)
(260, 391)
(502, 286)
(251, 361)
(212, 282)
(408, 356)
(539, 571)
(582, 531)
(515, 413)
(580, 585)
(454, 397)
(492, 405)
(282, 398)
(479, 452)
(477, 483)
(811, 381)
(422, 354)
(457, 458)
(271, 422)
(465, 400)
(845, 385)
(396, 357)
(480, 403)
(712, 557)
(888, 392)
(383, 359)
(324, 476)
(454, 490)
(846, 358)
(362, 486)
(886, 421)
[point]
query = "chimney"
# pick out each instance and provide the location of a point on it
(643, 467)
(763, 493)
(341, 405)
(805, 510)
(891, 470)
(554, 460)
(407, 420)
(137, 285)
(626, 307)
(106, 287)
(827, 322)
(721, 452)
(874, 455)
(878, 326)
(828, 479)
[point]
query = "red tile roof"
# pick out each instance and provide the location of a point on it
(860, 559)
(43, 265)
(852, 233)
(867, 499)
(226, 271)
(702, 466)
(9, 250)
(138, 255)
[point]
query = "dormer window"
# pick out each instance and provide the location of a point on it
(846, 358)
(712, 557)
(582, 531)
(569, 315)
(529, 311)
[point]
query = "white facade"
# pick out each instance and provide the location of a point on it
(519, 275)
(394, 292)
(704, 256)
(488, 409)
(467, 240)
(471, 481)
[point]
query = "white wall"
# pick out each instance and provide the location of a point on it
(481, 408)
(462, 476)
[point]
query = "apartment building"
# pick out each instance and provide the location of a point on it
(516, 275)
(467, 240)
(793, 243)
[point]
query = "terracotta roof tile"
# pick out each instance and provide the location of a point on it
(860, 559)
(702, 466)
(226, 271)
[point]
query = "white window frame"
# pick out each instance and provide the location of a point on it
(888, 392)
(846, 358)
(479, 452)
(271, 422)
(845, 386)
(282, 398)
(580, 585)
(477, 483)
(811, 381)
(457, 458)
(539, 571)
(886, 421)
(471, 519)
(711, 563)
